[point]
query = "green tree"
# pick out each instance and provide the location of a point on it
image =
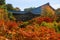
(9, 7)
(2, 2)
(3, 11)
(17, 9)
(29, 9)
(10, 16)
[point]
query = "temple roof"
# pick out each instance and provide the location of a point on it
(34, 11)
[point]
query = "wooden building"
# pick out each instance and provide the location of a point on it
(45, 9)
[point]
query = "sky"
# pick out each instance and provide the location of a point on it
(22, 4)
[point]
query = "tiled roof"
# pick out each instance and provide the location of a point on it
(36, 10)
(18, 12)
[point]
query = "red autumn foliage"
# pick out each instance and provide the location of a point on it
(43, 33)
(31, 31)
(11, 24)
(46, 19)
(1, 22)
